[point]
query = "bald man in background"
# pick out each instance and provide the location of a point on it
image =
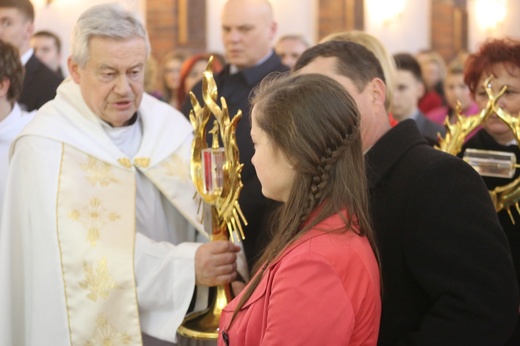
(248, 30)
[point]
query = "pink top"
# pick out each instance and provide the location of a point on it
(323, 290)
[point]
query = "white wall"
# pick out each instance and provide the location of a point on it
(510, 27)
(409, 32)
(292, 16)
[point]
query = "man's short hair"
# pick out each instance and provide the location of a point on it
(110, 21)
(12, 69)
(48, 34)
(24, 6)
(407, 62)
(354, 61)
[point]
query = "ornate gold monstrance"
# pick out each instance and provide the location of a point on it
(216, 173)
(506, 196)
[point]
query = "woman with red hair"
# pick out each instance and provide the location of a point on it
(500, 59)
(191, 72)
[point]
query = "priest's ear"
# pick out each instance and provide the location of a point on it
(74, 70)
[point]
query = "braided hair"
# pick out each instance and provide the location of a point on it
(314, 122)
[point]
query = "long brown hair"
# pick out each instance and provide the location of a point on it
(312, 120)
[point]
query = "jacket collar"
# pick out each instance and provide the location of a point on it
(254, 75)
(390, 148)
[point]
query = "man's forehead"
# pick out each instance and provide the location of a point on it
(241, 13)
(11, 12)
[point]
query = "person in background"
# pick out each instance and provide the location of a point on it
(170, 74)
(12, 118)
(409, 88)
(433, 70)
(99, 242)
(499, 58)
(47, 48)
(150, 78)
(17, 27)
(447, 273)
(191, 72)
(248, 30)
(289, 48)
(385, 59)
(317, 282)
(455, 91)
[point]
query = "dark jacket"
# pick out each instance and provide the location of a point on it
(483, 140)
(447, 273)
(236, 89)
(39, 85)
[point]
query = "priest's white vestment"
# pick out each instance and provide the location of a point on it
(76, 267)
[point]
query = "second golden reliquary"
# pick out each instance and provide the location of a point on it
(216, 173)
(488, 163)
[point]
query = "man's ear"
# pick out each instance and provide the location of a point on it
(378, 90)
(421, 89)
(74, 70)
(4, 88)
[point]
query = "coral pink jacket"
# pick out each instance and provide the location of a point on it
(323, 290)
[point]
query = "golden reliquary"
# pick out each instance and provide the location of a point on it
(216, 173)
(494, 163)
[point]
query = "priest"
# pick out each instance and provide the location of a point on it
(100, 242)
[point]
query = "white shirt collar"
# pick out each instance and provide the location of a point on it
(26, 56)
(233, 69)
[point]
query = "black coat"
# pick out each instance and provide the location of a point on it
(447, 273)
(483, 140)
(236, 89)
(39, 85)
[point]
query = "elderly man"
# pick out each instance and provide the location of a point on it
(17, 27)
(447, 271)
(248, 29)
(98, 244)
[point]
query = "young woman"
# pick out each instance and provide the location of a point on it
(455, 90)
(318, 279)
(170, 75)
(191, 72)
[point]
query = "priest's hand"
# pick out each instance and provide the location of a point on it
(216, 263)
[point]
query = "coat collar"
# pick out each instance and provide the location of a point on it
(390, 148)
(255, 74)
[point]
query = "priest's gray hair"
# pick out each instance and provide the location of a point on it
(111, 21)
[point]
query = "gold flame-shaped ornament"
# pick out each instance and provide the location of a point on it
(216, 173)
(506, 196)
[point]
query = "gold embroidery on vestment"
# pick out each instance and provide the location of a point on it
(98, 172)
(142, 162)
(106, 334)
(98, 280)
(124, 162)
(93, 218)
(176, 166)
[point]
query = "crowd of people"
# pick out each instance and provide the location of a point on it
(360, 231)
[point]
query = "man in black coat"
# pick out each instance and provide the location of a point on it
(248, 29)
(447, 272)
(16, 27)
